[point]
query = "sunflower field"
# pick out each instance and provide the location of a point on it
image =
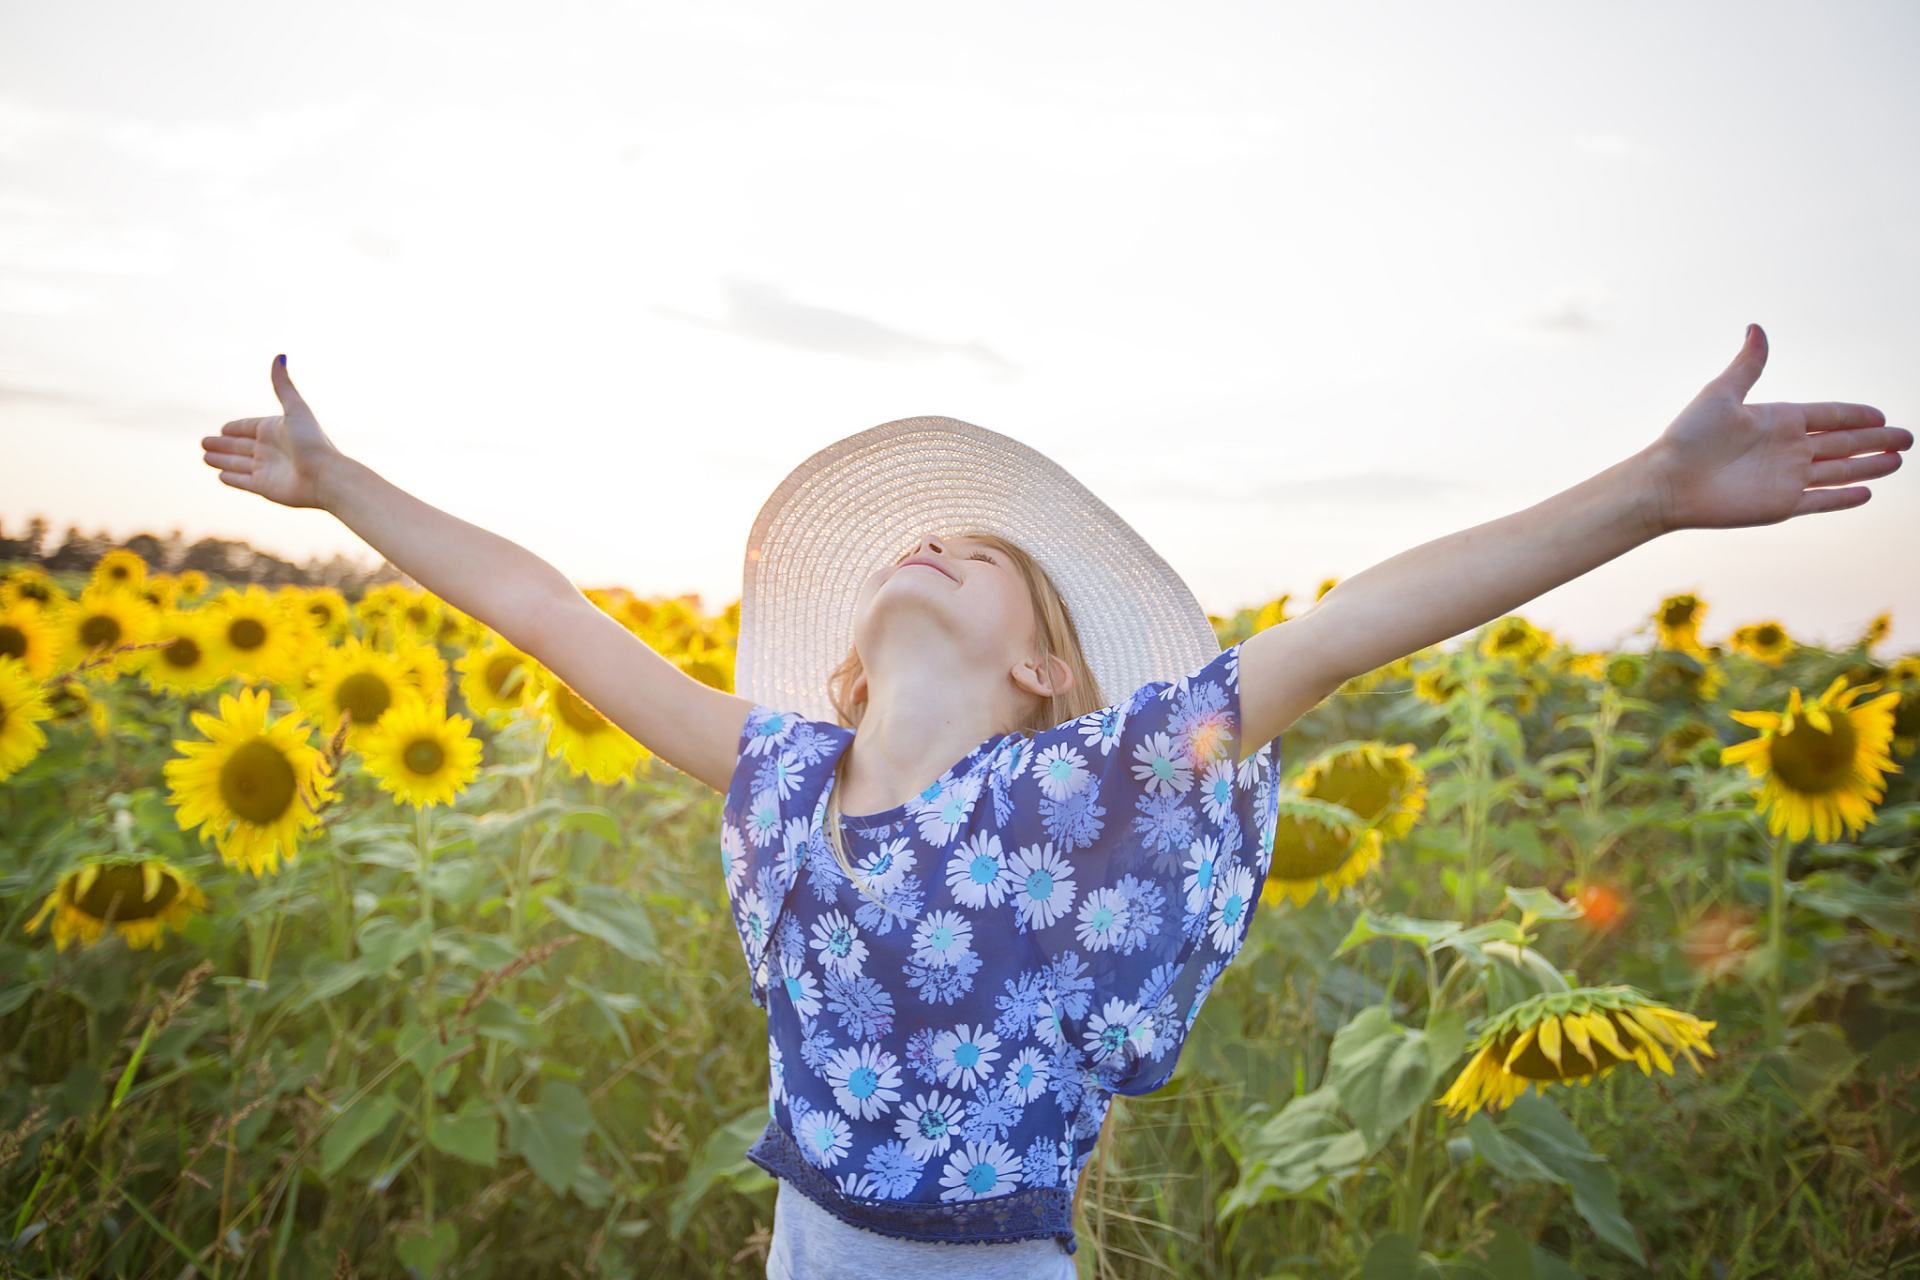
(342, 939)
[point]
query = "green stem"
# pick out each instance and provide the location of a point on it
(1777, 940)
(423, 849)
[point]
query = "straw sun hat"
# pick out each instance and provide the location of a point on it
(857, 504)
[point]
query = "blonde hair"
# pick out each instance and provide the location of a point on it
(1054, 637)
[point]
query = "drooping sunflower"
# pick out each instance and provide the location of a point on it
(98, 625)
(1877, 630)
(191, 662)
(359, 680)
(255, 637)
(1679, 743)
(255, 786)
(1678, 621)
(1676, 674)
(1515, 640)
(421, 755)
(28, 637)
(1766, 641)
(585, 740)
(120, 570)
(1572, 1037)
(30, 583)
(138, 900)
(1820, 764)
(1314, 848)
(22, 708)
(495, 679)
(69, 702)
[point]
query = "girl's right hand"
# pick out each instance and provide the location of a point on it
(279, 457)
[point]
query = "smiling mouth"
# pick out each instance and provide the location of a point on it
(925, 563)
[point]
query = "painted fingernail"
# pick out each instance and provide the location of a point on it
(281, 361)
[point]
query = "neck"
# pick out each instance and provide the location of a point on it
(923, 715)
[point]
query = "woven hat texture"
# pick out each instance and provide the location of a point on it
(859, 504)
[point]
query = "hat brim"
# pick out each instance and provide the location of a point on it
(859, 502)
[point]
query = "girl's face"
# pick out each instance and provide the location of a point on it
(971, 589)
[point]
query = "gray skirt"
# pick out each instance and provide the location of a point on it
(811, 1244)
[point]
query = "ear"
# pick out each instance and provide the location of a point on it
(857, 694)
(1047, 679)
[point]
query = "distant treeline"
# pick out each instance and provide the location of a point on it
(219, 558)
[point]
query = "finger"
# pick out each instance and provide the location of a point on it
(229, 462)
(248, 427)
(228, 444)
(237, 480)
(283, 387)
(1841, 417)
(1845, 444)
(1814, 501)
(1852, 470)
(1738, 378)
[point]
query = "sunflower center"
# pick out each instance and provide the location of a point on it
(100, 629)
(1768, 635)
(246, 633)
(13, 641)
(183, 654)
(126, 882)
(119, 573)
(500, 669)
(364, 696)
(423, 757)
(1361, 786)
(257, 782)
(1532, 1064)
(575, 711)
(417, 615)
(1678, 614)
(322, 612)
(1813, 762)
(35, 591)
(1305, 850)
(1906, 716)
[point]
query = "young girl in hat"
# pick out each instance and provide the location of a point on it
(998, 811)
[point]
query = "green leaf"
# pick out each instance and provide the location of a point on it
(472, 1133)
(722, 1155)
(1533, 1142)
(1541, 904)
(551, 1135)
(420, 1045)
(353, 1129)
(1294, 1151)
(611, 1006)
(1428, 935)
(384, 942)
(1384, 1072)
(611, 916)
(331, 979)
(424, 1250)
(598, 821)
(1396, 1257)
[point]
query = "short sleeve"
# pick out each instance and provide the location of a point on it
(1157, 838)
(784, 765)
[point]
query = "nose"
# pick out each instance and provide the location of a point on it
(929, 543)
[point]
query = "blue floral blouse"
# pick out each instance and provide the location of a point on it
(1037, 932)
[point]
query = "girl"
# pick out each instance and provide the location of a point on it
(997, 811)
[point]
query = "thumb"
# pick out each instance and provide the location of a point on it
(290, 400)
(1738, 378)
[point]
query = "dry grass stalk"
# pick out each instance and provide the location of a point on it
(491, 982)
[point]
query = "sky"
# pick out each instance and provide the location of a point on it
(1291, 287)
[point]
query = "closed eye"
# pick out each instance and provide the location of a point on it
(983, 555)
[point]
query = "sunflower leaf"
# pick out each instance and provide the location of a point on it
(1533, 1142)
(353, 1129)
(611, 916)
(1428, 935)
(551, 1134)
(722, 1155)
(1384, 1071)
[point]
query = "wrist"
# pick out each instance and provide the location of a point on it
(1650, 492)
(333, 477)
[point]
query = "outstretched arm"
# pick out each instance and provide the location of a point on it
(1721, 464)
(288, 459)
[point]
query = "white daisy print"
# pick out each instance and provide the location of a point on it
(776, 1074)
(753, 919)
(964, 1057)
(801, 988)
(838, 942)
(942, 809)
(1047, 1028)
(1101, 730)
(1026, 1076)
(767, 731)
(855, 1184)
(865, 1080)
(1110, 1029)
(1216, 791)
(733, 856)
(980, 1170)
(976, 873)
(824, 1138)
(942, 939)
(793, 846)
(1232, 903)
(1042, 885)
(1163, 769)
(884, 868)
(928, 1124)
(1060, 771)
(763, 820)
(1202, 856)
(1103, 920)
(1253, 765)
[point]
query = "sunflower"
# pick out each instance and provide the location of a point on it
(1678, 621)
(98, 624)
(29, 583)
(255, 787)
(1572, 1036)
(1272, 614)
(1821, 763)
(416, 615)
(68, 701)
(359, 680)
(120, 570)
(191, 662)
(193, 583)
(1766, 641)
(161, 591)
(1624, 670)
(1438, 685)
(28, 637)
(1688, 676)
(495, 679)
(22, 707)
(1877, 630)
(137, 899)
(1905, 677)
(255, 637)
(325, 610)
(1678, 744)
(1516, 640)
(424, 669)
(587, 741)
(421, 755)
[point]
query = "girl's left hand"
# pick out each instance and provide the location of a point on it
(1725, 464)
